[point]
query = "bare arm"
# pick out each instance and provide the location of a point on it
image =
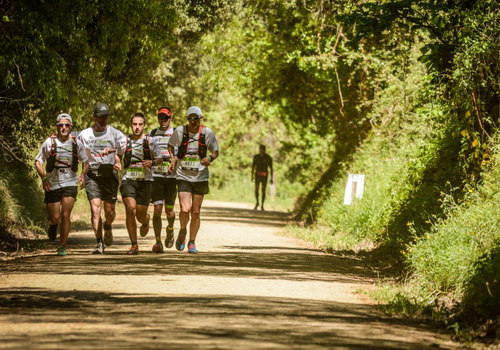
(41, 172)
(209, 159)
(173, 160)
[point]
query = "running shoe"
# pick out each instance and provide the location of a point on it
(61, 251)
(145, 228)
(134, 250)
(169, 241)
(256, 206)
(192, 248)
(180, 243)
(52, 232)
(108, 234)
(158, 247)
(99, 249)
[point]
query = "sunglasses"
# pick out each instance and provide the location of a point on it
(64, 125)
(164, 117)
(193, 118)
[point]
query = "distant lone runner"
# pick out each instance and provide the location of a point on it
(261, 167)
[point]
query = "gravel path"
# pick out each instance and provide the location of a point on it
(248, 288)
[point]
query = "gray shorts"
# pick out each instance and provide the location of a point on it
(103, 187)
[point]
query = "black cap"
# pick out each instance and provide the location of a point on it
(101, 110)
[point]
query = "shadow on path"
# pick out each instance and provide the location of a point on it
(215, 322)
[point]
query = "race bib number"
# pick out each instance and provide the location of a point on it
(190, 163)
(162, 168)
(136, 173)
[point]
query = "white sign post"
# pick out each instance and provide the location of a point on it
(354, 188)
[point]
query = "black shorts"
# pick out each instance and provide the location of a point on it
(164, 189)
(55, 196)
(103, 187)
(140, 190)
(260, 180)
(200, 188)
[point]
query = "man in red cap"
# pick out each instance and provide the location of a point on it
(164, 186)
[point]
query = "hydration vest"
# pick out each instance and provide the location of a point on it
(153, 132)
(127, 158)
(202, 145)
(51, 160)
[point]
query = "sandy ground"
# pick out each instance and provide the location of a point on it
(248, 288)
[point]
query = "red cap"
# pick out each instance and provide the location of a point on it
(165, 111)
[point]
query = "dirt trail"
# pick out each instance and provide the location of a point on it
(248, 288)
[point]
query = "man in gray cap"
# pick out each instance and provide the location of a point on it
(105, 146)
(61, 152)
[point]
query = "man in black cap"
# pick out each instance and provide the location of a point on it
(105, 146)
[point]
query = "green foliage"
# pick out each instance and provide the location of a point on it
(60, 56)
(447, 256)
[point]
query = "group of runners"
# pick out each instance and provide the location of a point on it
(156, 166)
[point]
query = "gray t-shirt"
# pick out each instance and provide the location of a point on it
(136, 171)
(161, 137)
(95, 142)
(62, 175)
(190, 168)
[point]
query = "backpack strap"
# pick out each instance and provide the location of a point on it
(127, 157)
(202, 144)
(146, 145)
(182, 149)
(74, 163)
(51, 160)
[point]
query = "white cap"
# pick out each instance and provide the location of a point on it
(64, 116)
(194, 110)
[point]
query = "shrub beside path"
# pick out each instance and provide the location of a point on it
(248, 288)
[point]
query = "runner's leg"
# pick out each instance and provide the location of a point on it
(67, 206)
(264, 185)
(185, 203)
(109, 212)
(53, 213)
(95, 208)
(195, 216)
(157, 224)
(170, 216)
(141, 213)
(257, 184)
(130, 211)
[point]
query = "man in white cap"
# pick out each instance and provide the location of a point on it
(61, 152)
(105, 146)
(196, 149)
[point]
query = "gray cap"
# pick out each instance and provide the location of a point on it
(194, 110)
(101, 110)
(64, 116)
